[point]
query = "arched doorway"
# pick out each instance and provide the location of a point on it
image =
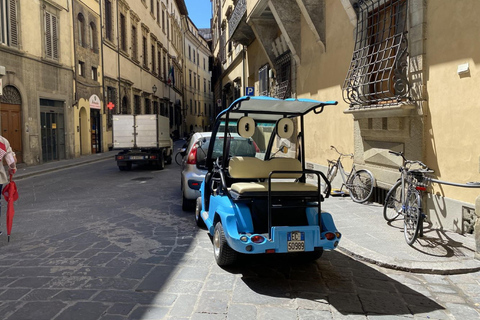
(85, 147)
(11, 119)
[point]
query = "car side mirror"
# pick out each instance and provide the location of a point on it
(182, 151)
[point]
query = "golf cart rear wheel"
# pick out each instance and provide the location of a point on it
(224, 255)
(198, 211)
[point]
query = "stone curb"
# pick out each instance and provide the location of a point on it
(441, 268)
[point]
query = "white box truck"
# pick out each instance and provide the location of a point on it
(142, 139)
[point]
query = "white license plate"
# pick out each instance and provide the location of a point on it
(136, 157)
(295, 241)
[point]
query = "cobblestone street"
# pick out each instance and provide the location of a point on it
(91, 242)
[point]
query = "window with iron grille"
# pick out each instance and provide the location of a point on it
(378, 71)
(51, 35)
(145, 52)
(81, 30)
(93, 37)
(108, 20)
(8, 22)
(154, 68)
(123, 32)
(283, 65)
(137, 104)
(263, 80)
(134, 43)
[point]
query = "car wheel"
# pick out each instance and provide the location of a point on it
(224, 255)
(198, 211)
(187, 204)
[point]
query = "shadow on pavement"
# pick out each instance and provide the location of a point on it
(349, 286)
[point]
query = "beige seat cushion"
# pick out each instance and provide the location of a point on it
(245, 187)
(254, 168)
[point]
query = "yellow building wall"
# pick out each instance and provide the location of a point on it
(320, 76)
(453, 115)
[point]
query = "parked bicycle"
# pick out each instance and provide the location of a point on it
(359, 183)
(405, 197)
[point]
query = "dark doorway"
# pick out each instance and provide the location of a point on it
(53, 130)
(95, 130)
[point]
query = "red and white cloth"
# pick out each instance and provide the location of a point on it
(4, 153)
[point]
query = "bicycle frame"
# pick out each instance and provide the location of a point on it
(339, 167)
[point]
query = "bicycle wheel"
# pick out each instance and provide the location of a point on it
(178, 158)
(393, 202)
(331, 173)
(360, 185)
(412, 219)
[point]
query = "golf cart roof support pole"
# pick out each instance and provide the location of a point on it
(224, 160)
(302, 128)
(269, 203)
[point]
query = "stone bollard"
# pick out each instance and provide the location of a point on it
(477, 228)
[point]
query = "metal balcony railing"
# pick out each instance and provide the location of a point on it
(236, 17)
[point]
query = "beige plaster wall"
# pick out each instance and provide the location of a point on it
(453, 116)
(320, 76)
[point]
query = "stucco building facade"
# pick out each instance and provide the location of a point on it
(37, 79)
(400, 84)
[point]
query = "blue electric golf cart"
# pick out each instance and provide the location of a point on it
(257, 196)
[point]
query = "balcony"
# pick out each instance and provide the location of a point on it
(238, 28)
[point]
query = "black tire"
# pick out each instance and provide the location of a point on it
(168, 159)
(128, 167)
(330, 177)
(187, 204)
(360, 186)
(178, 158)
(161, 162)
(224, 255)
(412, 217)
(198, 210)
(393, 202)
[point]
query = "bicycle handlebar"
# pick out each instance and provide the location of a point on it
(342, 154)
(426, 169)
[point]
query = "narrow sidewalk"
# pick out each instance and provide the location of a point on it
(368, 237)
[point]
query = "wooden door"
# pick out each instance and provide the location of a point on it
(12, 127)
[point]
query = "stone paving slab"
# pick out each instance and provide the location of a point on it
(368, 237)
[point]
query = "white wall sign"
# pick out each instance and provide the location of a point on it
(94, 102)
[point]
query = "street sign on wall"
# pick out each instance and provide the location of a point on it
(249, 91)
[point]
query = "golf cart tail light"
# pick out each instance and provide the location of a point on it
(244, 238)
(192, 156)
(330, 235)
(338, 234)
(270, 251)
(421, 188)
(249, 248)
(120, 157)
(257, 239)
(153, 157)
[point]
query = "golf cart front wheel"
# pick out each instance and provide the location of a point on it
(198, 211)
(224, 255)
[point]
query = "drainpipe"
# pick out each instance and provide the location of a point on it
(118, 62)
(477, 229)
(103, 75)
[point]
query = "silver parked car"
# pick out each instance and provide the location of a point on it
(192, 168)
(193, 163)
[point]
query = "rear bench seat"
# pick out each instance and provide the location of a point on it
(254, 168)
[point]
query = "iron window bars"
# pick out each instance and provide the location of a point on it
(378, 72)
